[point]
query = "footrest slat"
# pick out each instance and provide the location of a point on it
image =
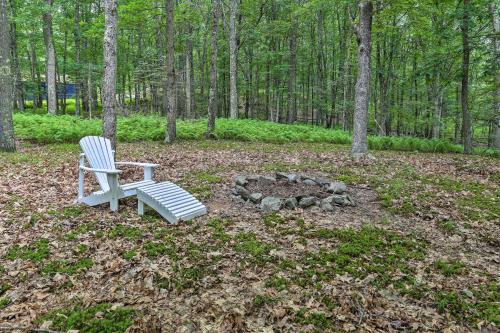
(170, 201)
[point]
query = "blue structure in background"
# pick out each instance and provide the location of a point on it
(70, 90)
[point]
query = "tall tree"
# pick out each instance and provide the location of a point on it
(109, 77)
(50, 58)
(77, 37)
(7, 142)
(170, 134)
(466, 123)
(362, 96)
(496, 71)
(212, 95)
(233, 59)
(19, 91)
(292, 71)
(190, 103)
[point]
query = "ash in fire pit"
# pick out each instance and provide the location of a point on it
(291, 191)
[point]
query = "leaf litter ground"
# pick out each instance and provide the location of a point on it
(418, 253)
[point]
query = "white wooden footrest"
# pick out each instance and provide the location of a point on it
(170, 201)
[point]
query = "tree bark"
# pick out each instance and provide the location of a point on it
(467, 126)
(19, 91)
(362, 96)
(170, 133)
(76, 33)
(190, 101)
(233, 59)
(50, 54)
(496, 69)
(7, 142)
(212, 96)
(292, 71)
(109, 76)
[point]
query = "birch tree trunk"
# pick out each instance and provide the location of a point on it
(170, 134)
(7, 142)
(233, 58)
(467, 126)
(362, 96)
(212, 95)
(496, 105)
(50, 54)
(109, 76)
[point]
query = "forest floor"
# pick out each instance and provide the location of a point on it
(419, 252)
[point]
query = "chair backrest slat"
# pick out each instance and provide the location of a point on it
(99, 154)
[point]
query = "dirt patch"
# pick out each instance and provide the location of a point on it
(282, 188)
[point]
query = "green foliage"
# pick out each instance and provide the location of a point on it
(449, 268)
(69, 129)
(101, 318)
(35, 252)
(4, 302)
(369, 250)
(67, 267)
(261, 300)
(247, 242)
(124, 231)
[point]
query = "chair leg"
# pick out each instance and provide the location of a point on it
(140, 207)
(113, 204)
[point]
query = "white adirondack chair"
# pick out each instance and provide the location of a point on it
(101, 159)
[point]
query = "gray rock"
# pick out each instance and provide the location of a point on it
(309, 182)
(293, 178)
(341, 200)
(253, 178)
(291, 203)
(322, 181)
(338, 199)
(307, 201)
(350, 201)
(256, 197)
(326, 205)
(281, 175)
(271, 204)
(241, 180)
(267, 179)
(242, 192)
(337, 188)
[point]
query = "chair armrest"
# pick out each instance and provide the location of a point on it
(151, 165)
(108, 171)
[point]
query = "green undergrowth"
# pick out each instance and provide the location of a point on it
(70, 129)
(101, 318)
(368, 251)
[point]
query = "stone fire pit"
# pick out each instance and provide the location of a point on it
(291, 191)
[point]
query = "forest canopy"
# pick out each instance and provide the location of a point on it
(295, 61)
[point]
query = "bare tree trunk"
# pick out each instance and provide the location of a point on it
(496, 107)
(436, 117)
(190, 102)
(50, 54)
(170, 133)
(212, 98)
(233, 59)
(467, 126)
(292, 71)
(19, 91)
(362, 96)
(37, 100)
(65, 63)
(76, 33)
(109, 76)
(7, 142)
